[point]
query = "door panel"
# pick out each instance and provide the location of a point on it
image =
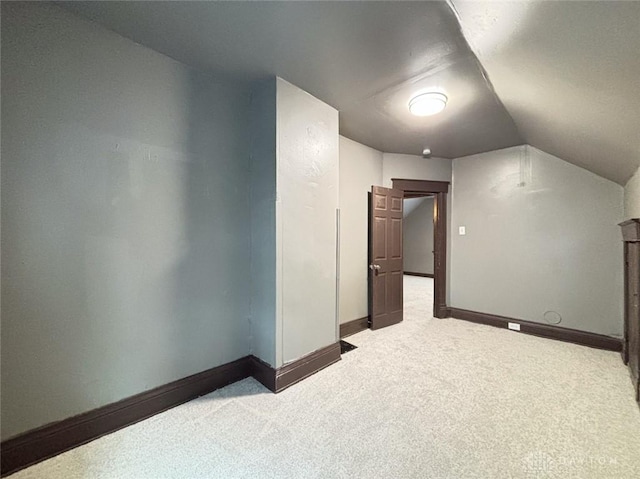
(396, 238)
(380, 238)
(396, 203)
(380, 288)
(385, 265)
(395, 292)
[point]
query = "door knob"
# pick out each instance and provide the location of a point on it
(374, 267)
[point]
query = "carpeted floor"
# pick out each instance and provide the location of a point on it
(423, 399)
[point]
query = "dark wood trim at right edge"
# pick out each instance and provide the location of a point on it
(550, 331)
(630, 233)
(625, 341)
(440, 309)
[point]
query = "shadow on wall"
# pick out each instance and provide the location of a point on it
(212, 279)
(125, 218)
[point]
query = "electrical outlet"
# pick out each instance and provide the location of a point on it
(514, 326)
(462, 230)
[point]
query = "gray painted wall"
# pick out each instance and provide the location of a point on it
(125, 218)
(306, 221)
(417, 238)
(294, 197)
(414, 167)
(410, 204)
(263, 220)
(360, 168)
(541, 235)
(632, 197)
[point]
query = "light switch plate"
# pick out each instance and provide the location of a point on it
(462, 230)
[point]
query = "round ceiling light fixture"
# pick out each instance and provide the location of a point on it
(427, 104)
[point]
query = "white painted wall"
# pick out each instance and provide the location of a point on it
(360, 168)
(632, 197)
(417, 238)
(125, 218)
(306, 221)
(541, 234)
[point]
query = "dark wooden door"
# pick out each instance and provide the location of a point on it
(633, 312)
(385, 257)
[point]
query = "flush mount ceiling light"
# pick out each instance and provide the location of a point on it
(427, 104)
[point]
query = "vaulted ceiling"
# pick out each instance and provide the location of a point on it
(561, 76)
(568, 73)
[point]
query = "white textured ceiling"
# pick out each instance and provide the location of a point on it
(569, 75)
(567, 72)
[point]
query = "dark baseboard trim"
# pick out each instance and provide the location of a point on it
(423, 275)
(304, 367)
(281, 378)
(550, 331)
(353, 327)
(263, 373)
(48, 441)
(442, 311)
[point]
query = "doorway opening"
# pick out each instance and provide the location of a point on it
(435, 194)
(418, 255)
(386, 276)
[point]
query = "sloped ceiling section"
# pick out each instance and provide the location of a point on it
(366, 59)
(562, 76)
(569, 75)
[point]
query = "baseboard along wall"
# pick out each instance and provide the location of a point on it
(50, 440)
(354, 326)
(550, 331)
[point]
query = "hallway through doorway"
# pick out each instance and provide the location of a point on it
(418, 297)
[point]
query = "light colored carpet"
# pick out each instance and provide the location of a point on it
(426, 398)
